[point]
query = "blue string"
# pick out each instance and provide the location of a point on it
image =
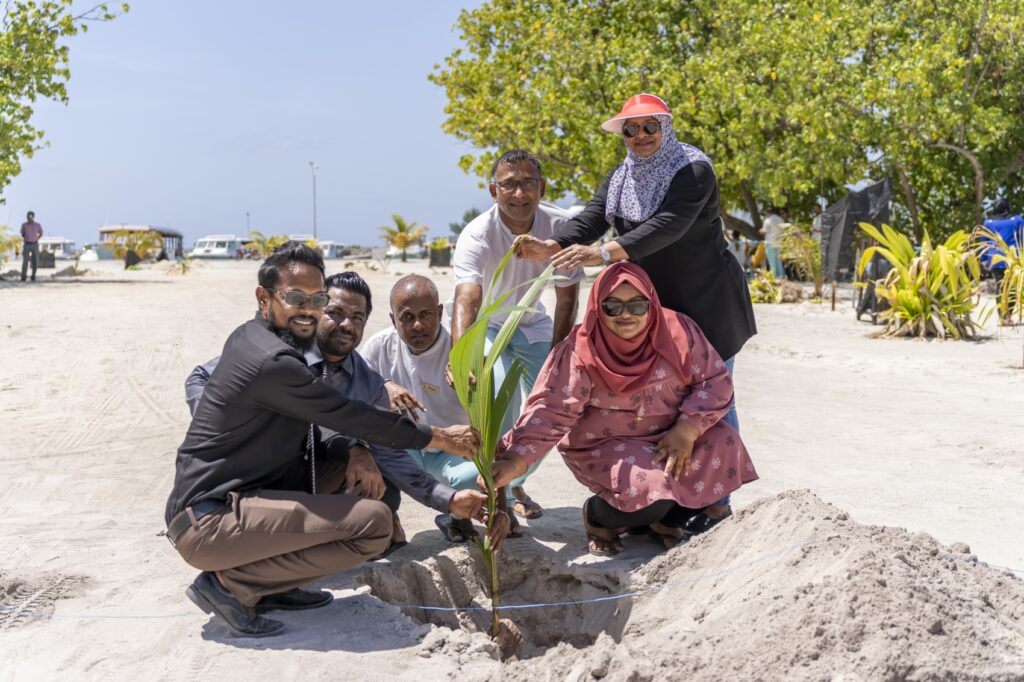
(505, 607)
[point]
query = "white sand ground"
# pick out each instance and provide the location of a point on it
(920, 435)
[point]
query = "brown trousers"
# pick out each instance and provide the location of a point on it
(270, 541)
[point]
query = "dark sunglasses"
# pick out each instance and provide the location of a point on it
(613, 307)
(297, 298)
(632, 129)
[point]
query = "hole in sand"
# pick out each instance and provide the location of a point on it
(455, 580)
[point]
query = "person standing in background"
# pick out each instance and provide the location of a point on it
(31, 231)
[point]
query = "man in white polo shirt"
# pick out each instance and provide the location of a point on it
(412, 356)
(517, 186)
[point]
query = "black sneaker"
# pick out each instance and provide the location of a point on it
(207, 593)
(294, 600)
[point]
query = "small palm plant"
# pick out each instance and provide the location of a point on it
(933, 293)
(264, 245)
(142, 243)
(473, 374)
(801, 251)
(9, 243)
(403, 234)
(1011, 289)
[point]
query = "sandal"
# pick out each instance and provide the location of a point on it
(666, 537)
(455, 530)
(702, 523)
(525, 506)
(596, 544)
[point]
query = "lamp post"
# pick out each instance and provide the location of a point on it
(313, 167)
(247, 230)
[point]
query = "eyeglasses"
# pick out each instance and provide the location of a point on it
(297, 298)
(613, 307)
(527, 185)
(633, 129)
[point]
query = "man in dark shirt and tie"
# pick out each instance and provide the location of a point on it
(239, 509)
(380, 472)
(31, 231)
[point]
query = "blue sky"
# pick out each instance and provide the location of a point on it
(187, 114)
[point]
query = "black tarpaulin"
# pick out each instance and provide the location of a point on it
(839, 228)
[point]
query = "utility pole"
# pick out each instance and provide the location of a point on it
(247, 230)
(313, 167)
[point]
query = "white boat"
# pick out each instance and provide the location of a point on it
(219, 246)
(62, 248)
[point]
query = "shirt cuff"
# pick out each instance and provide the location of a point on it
(469, 279)
(441, 497)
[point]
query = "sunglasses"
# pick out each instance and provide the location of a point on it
(613, 307)
(633, 129)
(297, 298)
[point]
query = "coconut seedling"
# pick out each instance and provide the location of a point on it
(472, 364)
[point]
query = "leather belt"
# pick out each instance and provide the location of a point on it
(182, 521)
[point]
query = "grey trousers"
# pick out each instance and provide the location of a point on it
(270, 541)
(29, 249)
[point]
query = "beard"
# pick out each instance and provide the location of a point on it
(301, 345)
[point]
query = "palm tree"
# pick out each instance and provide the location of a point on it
(8, 242)
(142, 243)
(264, 245)
(403, 234)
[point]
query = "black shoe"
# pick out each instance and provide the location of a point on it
(702, 523)
(33, 278)
(208, 595)
(294, 600)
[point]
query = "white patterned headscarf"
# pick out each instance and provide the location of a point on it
(639, 184)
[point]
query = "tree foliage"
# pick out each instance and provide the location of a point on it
(143, 243)
(467, 218)
(792, 99)
(34, 66)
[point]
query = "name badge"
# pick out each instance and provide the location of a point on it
(430, 387)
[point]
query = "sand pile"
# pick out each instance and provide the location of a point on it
(791, 588)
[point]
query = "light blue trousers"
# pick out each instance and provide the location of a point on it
(731, 418)
(532, 355)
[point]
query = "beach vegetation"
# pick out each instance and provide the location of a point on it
(137, 245)
(472, 365)
(934, 293)
(803, 253)
(403, 234)
(764, 287)
(10, 243)
(458, 226)
(1011, 287)
(263, 244)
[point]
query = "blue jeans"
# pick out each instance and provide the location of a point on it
(457, 472)
(774, 258)
(532, 355)
(731, 418)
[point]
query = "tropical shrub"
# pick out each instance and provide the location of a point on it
(264, 245)
(801, 251)
(1011, 288)
(933, 293)
(143, 243)
(473, 374)
(9, 243)
(764, 288)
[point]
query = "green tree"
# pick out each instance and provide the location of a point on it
(792, 99)
(403, 234)
(33, 66)
(467, 217)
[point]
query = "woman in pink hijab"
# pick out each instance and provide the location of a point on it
(633, 398)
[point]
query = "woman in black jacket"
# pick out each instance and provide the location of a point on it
(662, 201)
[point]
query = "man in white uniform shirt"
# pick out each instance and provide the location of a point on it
(412, 356)
(517, 186)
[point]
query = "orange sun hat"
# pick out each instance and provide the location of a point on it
(635, 107)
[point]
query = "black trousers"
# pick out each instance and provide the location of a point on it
(601, 514)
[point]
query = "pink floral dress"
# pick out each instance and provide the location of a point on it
(608, 440)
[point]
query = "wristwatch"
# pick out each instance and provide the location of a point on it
(605, 256)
